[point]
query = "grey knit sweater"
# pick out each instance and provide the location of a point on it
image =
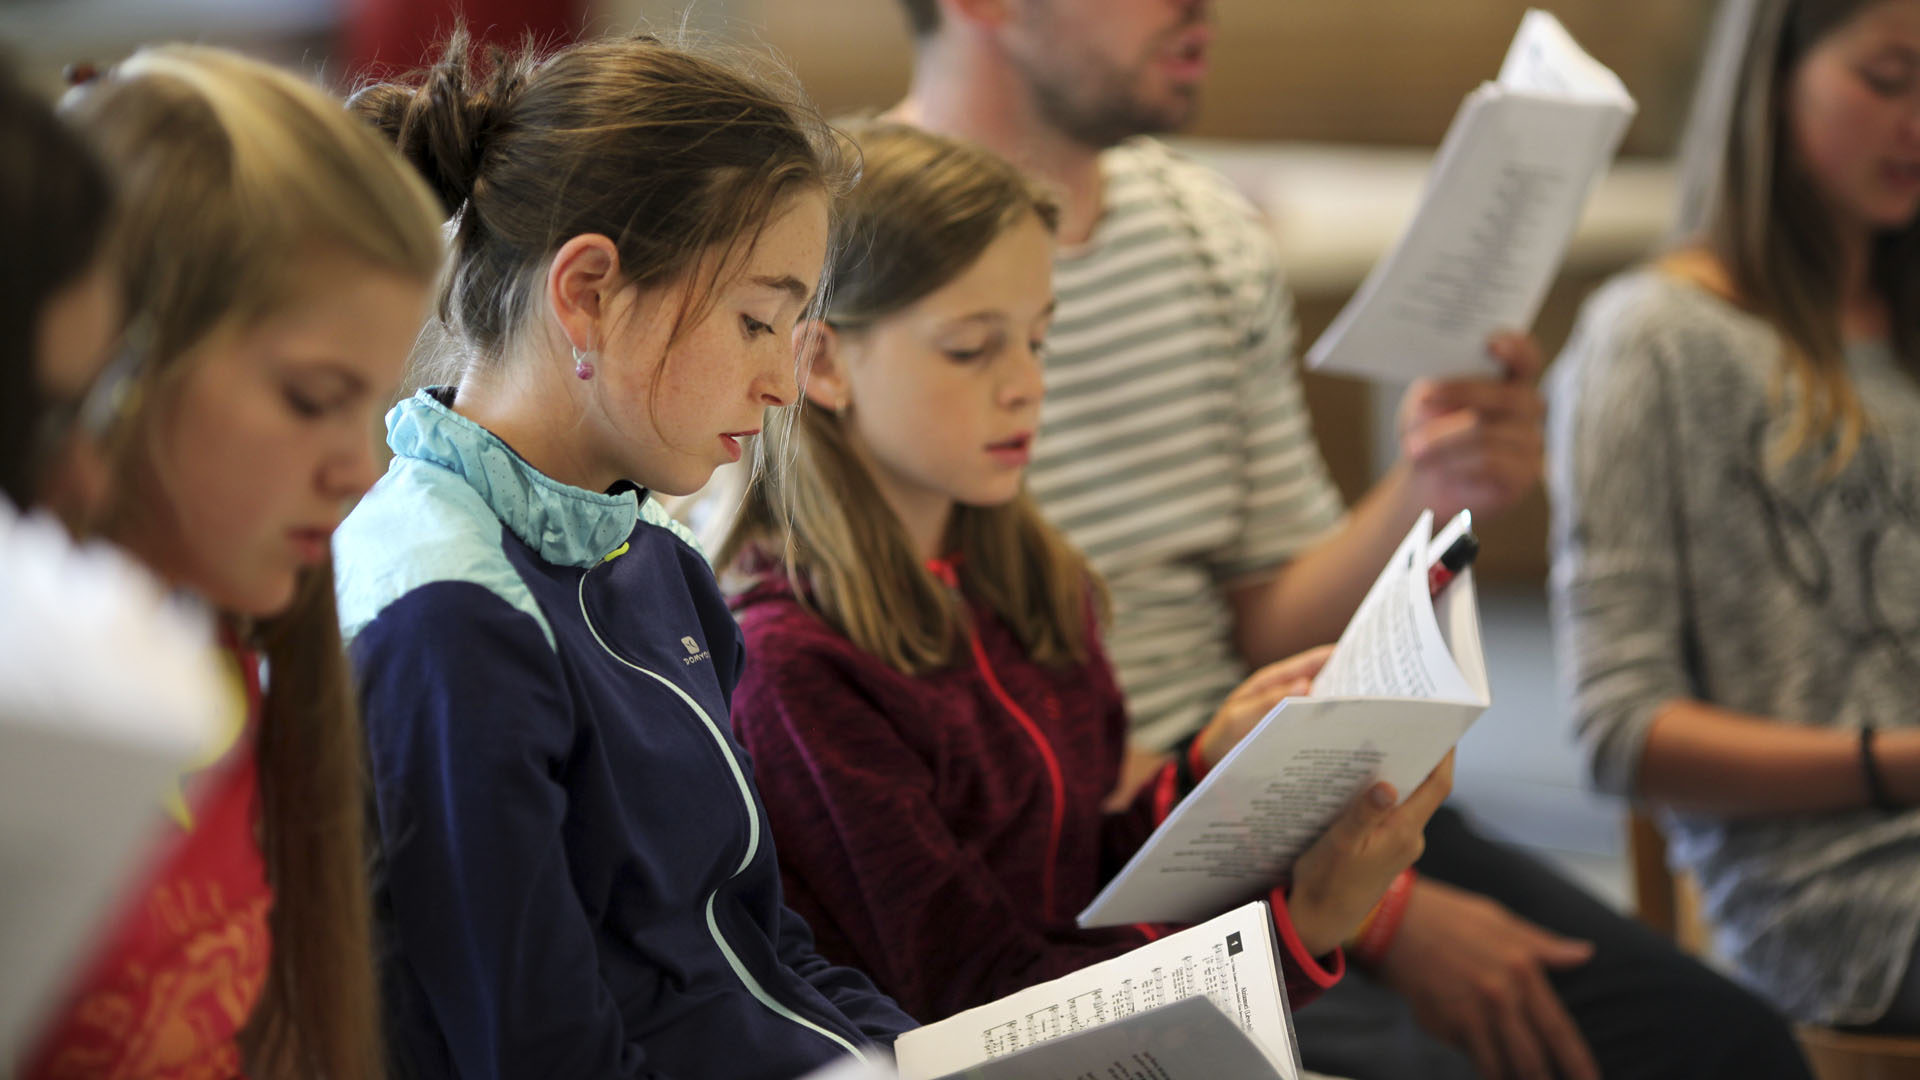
(1685, 567)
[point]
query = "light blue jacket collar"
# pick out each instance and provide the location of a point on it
(565, 525)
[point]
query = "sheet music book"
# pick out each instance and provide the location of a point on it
(1501, 204)
(1406, 681)
(1206, 1002)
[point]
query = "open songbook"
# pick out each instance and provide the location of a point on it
(1405, 682)
(1504, 197)
(1203, 1003)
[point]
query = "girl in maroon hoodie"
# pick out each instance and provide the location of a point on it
(933, 724)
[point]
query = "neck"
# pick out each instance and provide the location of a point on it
(966, 87)
(924, 514)
(540, 411)
(1863, 312)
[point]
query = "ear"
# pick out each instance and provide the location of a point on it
(581, 282)
(818, 350)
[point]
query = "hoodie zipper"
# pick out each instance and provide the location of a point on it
(944, 570)
(753, 986)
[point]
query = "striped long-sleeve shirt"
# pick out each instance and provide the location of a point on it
(1175, 447)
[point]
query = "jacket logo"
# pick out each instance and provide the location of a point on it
(695, 653)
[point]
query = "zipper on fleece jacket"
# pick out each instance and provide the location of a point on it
(943, 569)
(760, 993)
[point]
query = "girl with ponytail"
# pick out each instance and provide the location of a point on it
(577, 873)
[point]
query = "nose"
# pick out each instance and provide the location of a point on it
(353, 470)
(1026, 383)
(779, 384)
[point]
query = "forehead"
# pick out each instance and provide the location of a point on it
(1014, 276)
(343, 310)
(793, 244)
(1888, 23)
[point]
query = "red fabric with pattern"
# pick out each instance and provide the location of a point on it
(183, 963)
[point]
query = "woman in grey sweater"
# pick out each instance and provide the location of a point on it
(1734, 445)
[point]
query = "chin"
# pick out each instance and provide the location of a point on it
(676, 486)
(261, 598)
(1897, 218)
(988, 499)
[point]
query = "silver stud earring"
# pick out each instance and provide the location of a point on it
(582, 364)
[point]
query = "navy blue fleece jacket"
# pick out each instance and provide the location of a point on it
(577, 875)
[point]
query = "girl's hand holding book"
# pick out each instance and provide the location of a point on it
(1253, 699)
(1339, 879)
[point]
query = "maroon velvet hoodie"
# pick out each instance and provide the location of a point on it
(941, 831)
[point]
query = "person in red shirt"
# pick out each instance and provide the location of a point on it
(934, 726)
(277, 257)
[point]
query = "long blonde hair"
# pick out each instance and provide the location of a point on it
(1747, 199)
(925, 209)
(230, 172)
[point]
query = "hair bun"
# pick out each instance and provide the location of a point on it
(443, 119)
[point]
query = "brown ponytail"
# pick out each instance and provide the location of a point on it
(673, 155)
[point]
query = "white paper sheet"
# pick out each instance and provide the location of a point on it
(1116, 1006)
(1502, 201)
(1393, 646)
(1403, 692)
(107, 689)
(1190, 1039)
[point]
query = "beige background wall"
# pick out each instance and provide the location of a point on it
(1370, 71)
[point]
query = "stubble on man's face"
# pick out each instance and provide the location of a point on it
(1094, 87)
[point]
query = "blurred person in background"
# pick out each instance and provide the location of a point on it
(1736, 544)
(279, 256)
(60, 307)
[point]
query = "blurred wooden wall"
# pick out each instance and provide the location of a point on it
(1369, 71)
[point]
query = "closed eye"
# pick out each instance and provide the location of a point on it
(304, 406)
(968, 353)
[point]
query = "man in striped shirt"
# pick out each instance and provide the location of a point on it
(1175, 450)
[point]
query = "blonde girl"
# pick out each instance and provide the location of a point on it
(934, 723)
(277, 256)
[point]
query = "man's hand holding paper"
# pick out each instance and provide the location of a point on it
(1476, 444)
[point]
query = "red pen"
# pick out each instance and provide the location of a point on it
(1458, 556)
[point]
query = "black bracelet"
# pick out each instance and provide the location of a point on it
(1877, 793)
(1183, 779)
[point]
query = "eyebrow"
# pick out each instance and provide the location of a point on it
(302, 367)
(994, 317)
(788, 284)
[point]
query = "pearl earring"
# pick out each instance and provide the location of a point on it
(582, 366)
